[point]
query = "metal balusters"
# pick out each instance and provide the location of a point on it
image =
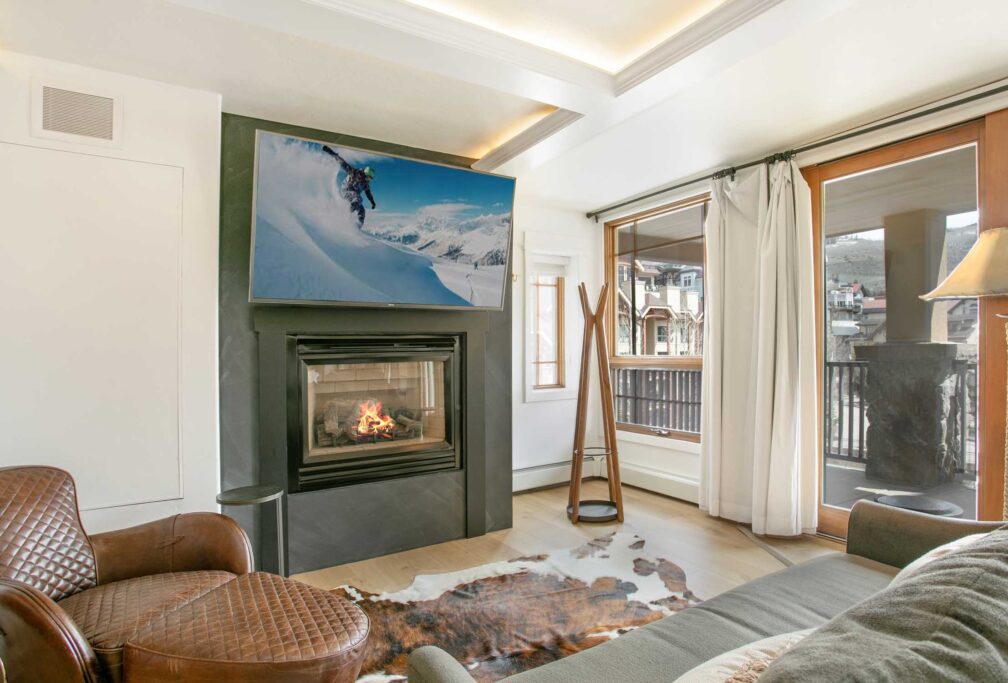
(663, 399)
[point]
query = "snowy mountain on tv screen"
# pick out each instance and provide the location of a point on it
(482, 240)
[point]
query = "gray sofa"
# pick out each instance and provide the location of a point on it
(881, 540)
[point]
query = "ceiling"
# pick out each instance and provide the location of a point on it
(457, 76)
(945, 183)
(271, 74)
(587, 102)
(606, 35)
(857, 61)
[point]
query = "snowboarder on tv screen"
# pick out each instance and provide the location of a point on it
(356, 185)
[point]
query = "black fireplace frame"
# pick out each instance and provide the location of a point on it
(305, 350)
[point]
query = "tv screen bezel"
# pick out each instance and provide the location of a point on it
(508, 275)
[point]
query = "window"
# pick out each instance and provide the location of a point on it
(658, 260)
(655, 266)
(902, 402)
(547, 330)
(894, 364)
(552, 264)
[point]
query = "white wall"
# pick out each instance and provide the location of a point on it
(109, 306)
(544, 430)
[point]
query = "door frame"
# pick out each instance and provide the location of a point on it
(992, 205)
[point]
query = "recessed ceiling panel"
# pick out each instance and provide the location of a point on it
(608, 35)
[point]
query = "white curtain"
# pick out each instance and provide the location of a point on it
(760, 426)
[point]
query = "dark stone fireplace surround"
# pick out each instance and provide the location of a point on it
(352, 522)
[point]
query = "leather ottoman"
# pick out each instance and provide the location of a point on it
(258, 627)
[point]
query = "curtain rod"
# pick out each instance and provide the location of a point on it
(784, 156)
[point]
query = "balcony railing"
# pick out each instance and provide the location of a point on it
(662, 400)
(846, 419)
(668, 400)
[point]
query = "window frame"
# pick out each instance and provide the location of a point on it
(560, 334)
(611, 277)
(549, 255)
(611, 265)
(991, 404)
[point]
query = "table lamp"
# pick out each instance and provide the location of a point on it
(983, 272)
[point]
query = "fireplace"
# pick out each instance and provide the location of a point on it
(368, 408)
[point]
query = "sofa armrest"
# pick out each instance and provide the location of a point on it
(186, 542)
(431, 664)
(39, 642)
(897, 537)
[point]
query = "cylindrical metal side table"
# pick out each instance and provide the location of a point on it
(254, 495)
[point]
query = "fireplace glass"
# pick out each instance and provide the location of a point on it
(356, 408)
(364, 409)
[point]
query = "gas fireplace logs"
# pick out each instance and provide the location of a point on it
(345, 422)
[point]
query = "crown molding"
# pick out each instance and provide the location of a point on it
(701, 33)
(530, 137)
(416, 37)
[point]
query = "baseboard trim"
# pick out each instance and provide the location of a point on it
(639, 476)
(553, 474)
(665, 483)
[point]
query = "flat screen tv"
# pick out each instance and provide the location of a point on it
(337, 225)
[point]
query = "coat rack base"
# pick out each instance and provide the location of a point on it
(595, 511)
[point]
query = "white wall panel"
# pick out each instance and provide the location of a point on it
(108, 295)
(91, 359)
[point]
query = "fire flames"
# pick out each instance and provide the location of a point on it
(374, 422)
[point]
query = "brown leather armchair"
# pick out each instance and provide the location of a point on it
(69, 601)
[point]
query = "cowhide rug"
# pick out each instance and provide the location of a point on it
(503, 618)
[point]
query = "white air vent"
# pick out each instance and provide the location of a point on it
(75, 114)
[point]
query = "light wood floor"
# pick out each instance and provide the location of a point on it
(715, 554)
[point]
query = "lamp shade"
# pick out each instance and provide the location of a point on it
(983, 271)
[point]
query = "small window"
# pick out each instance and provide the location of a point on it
(547, 331)
(662, 334)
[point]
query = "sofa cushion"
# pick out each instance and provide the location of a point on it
(743, 663)
(800, 597)
(110, 614)
(945, 622)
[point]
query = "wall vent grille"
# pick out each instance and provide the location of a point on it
(78, 113)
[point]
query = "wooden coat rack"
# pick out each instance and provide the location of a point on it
(595, 510)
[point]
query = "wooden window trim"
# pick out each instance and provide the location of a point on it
(560, 314)
(658, 362)
(660, 433)
(992, 186)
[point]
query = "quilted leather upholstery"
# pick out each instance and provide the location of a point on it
(259, 617)
(112, 613)
(42, 543)
(301, 633)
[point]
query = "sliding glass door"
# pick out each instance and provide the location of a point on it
(899, 376)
